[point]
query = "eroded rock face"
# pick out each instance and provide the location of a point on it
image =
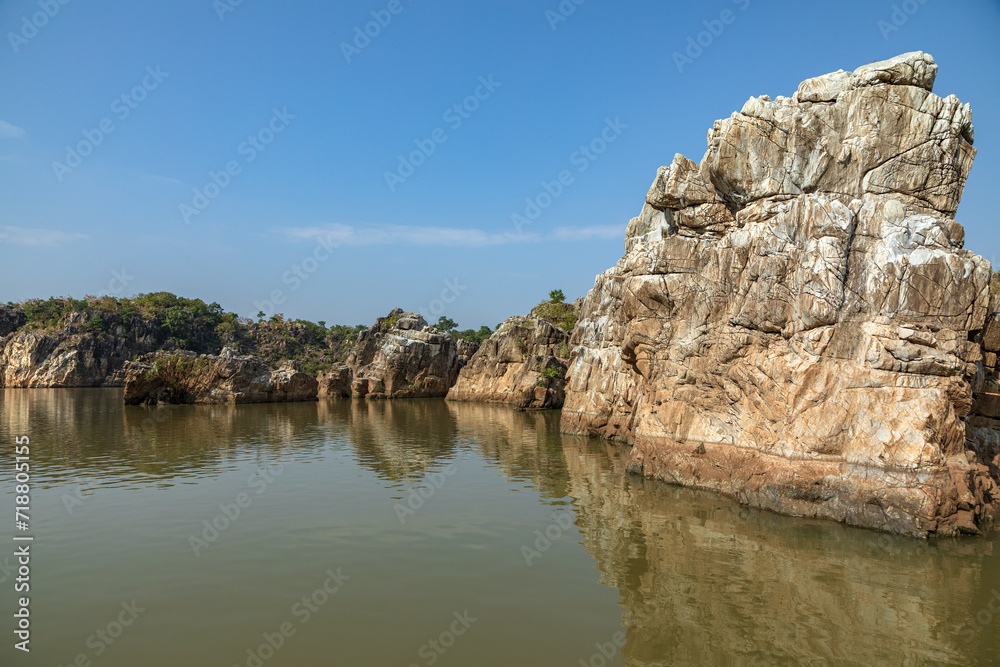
(466, 350)
(336, 382)
(11, 319)
(184, 377)
(73, 357)
(401, 356)
(795, 322)
(519, 365)
(983, 428)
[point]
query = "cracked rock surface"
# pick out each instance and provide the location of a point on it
(795, 322)
(74, 356)
(399, 357)
(185, 377)
(518, 365)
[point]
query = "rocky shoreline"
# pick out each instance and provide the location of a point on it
(795, 323)
(184, 377)
(400, 356)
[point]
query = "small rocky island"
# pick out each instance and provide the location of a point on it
(401, 356)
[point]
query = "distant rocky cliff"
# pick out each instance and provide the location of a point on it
(59, 342)
(185, 377)
(399, 357)
(64, 342)
(519, 365)
(795, 322)
(75, 355)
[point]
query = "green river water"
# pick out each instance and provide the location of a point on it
(430, 533)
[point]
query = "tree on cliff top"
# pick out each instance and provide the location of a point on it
(556, 310)
(446, 324)
(475, 337)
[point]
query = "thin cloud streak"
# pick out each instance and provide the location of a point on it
(366, 235)
(350, 235)
(8, 131)
(169, 180)
(37, 237)
(592, 233)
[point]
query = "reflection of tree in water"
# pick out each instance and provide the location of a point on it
(400, 440)
(526, 446)
(704, 581)
(88, 432)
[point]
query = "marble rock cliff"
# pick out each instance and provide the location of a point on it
(72, 356)
(399, 357)
(795, 322)
(518, 365)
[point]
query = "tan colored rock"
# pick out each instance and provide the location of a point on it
(184, 377)
(466, 350)
(876, 138)
(336, 382)
(73, 356)
(402, 357)
(805, 347)
(991, 333)
(909, 69)
(680, 185)
(519, 365)
(826, 88)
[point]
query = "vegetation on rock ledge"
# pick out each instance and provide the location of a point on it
(175, 322)
(556, 310)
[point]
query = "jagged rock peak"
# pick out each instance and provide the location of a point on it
(878, 130)
(909, 69)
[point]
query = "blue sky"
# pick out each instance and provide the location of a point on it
(299, 140)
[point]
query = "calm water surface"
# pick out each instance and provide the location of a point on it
(459, 534)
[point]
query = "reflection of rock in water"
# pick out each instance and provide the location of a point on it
(276, 430)
(703, 581)
(525, 445)
(398, 440)
(90, 432)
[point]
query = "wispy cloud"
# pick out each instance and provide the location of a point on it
(362, 235)
(8, 131)
(351, 235)
(156, 178)
(610, 232)
(37, 237)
